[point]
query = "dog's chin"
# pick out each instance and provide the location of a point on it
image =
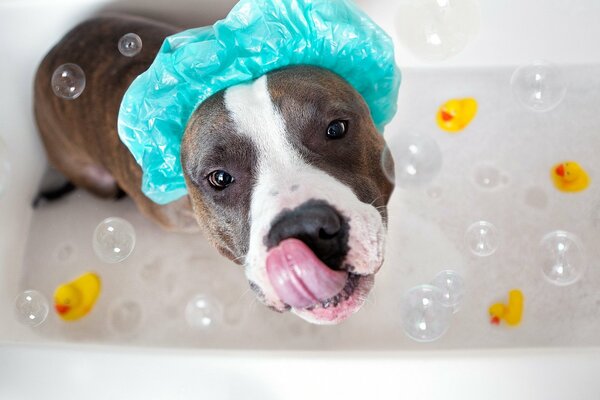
(336, 309)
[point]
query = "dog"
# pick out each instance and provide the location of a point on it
(284, 173)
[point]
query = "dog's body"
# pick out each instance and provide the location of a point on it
(80, 136)
(258, 164)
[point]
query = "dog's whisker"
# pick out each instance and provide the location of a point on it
(229, 249)
(244, 294)
(376, 199)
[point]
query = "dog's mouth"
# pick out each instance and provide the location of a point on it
(311, 288)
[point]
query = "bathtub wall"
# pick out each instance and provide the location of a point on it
(511, 32)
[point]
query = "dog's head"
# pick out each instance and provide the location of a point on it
(284, 174)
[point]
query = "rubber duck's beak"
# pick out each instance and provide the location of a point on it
(446, 116)
(495, 321)
(61, 309)
(560, 170)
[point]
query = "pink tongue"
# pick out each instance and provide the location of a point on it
(299, 278)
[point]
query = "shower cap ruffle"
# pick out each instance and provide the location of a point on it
(258, 36)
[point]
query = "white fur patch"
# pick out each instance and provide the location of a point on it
(285, 181)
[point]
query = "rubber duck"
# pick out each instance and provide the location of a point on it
(569, 177)
(456, 114)
(511, 313)
(74, 300)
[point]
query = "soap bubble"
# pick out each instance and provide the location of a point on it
(424, 316)
(68, 81)
(417, 159)
(538, 86)
(4, 167)
(482, 238)
(130, 44)
(487, 177)
(434, 30)
(203, 312)
(65, 252)
(125, 317)
(452, 286)
(32, 308)
(114, 240)
(561, 258)
(435, 192)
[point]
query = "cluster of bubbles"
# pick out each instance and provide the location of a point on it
(113, 241)
(435, 30)
(426, 310)
(68, 80)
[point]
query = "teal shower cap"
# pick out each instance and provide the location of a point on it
(258, 36)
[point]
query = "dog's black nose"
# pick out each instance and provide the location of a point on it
(319, 226)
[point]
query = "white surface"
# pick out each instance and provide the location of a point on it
(512, 32)
(100, 374)
(426, 235)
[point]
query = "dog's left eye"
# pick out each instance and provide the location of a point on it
(220, 179)
(337, 129)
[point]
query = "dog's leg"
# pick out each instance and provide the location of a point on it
(53, 194)
(80, 170)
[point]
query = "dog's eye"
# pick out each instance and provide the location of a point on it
(337, 129)
(220, 179)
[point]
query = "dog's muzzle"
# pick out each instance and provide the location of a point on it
(306, 249)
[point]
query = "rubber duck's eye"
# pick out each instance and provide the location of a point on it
(67, 302)
(337, 129)
(219, 179)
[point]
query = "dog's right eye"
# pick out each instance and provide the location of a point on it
(219, 179)
(337, 129)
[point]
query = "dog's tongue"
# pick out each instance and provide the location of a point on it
(299, 277)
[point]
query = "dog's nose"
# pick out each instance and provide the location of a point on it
(319, 226)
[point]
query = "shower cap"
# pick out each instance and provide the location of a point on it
(258, 36)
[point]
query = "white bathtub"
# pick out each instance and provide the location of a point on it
(56, 363)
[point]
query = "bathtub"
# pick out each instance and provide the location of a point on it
(267, 356)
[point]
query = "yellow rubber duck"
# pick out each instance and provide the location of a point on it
(510, 313)
(74, 300)
(456, 114)
(569, 177)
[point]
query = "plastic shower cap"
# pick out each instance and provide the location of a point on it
(258, 36)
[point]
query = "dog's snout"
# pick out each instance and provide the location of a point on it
(318, 225)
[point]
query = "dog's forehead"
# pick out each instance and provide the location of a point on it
(212, 139)
(292, 96)
(311, 85)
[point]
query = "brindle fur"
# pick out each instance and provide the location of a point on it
(80, 135)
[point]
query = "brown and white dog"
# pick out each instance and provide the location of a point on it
(283, 173)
